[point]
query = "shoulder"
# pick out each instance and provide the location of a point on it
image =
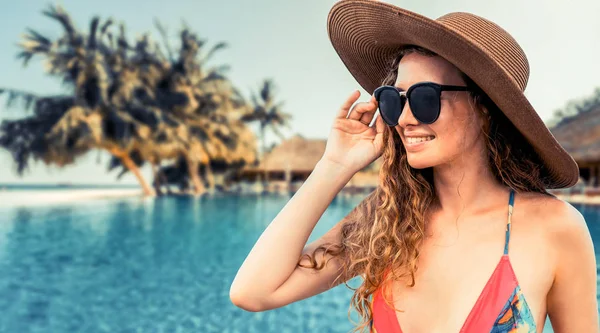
(557, 216)
(568, 251)
(561, 225)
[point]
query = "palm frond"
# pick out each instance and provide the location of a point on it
(26, 138)
(58, 14)
(27, 99)
(105, 27)
(214, 76)
(93, 32)
(33, 43)
(267, 90)
(122, 43)
(162, 30)
(212, 51)
(276, 130)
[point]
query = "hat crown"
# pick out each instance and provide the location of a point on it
(494, 41)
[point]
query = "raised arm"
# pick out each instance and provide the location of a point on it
(270, 276)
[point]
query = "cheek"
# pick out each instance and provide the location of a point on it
(458, 132)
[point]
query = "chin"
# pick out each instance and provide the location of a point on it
(418, 162)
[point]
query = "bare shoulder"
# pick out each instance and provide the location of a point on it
(556, 260)
(560, 222)
(565, 261)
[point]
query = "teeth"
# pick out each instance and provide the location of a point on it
(419, 139)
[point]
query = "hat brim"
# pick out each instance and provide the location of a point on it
(367, 35)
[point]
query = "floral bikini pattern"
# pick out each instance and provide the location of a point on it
(515, 317)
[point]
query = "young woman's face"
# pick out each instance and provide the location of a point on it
(455, 133)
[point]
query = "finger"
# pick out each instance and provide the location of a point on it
(378, 141)
(368, 116)
(379, 124)
(343, 112)
(359, 109)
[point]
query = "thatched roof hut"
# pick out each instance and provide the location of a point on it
(296, 155)
(580, 136)
(295, 158)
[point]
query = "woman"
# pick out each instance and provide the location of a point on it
(460, 235)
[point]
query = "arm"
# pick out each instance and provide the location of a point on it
(572, 303)
(269, 277)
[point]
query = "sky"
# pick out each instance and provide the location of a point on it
(287, 41)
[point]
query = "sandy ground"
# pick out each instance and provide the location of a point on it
(44, 197)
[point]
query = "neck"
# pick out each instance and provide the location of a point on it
(465, 187)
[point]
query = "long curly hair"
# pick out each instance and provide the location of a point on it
(385, 231)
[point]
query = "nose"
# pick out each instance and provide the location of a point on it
(406, 117)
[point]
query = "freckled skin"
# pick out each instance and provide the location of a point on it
(456, 131)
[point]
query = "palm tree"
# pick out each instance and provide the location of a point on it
(196, 105)
(95, 72)
(268, 113)
(193, 94)
(81, 62)
(137, 70)
(131, 99)
(25, 138)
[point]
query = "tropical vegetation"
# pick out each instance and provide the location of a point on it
(143, 102)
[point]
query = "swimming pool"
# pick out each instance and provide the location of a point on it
(154, 265)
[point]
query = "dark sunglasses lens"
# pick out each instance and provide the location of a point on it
(390, 106)
(425, 104)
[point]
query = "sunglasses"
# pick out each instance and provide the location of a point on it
(423, 98)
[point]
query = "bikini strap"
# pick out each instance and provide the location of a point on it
(511, 203)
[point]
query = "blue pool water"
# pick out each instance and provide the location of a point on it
(162, 265)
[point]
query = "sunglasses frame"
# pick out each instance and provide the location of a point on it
(437, 87)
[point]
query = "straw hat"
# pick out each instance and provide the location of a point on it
(367, 36)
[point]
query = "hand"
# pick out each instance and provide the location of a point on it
(352, 144)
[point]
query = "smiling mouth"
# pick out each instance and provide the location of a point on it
(417, 139)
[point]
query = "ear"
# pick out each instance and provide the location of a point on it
(486, 117)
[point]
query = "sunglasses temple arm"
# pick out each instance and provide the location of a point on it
(374, 118)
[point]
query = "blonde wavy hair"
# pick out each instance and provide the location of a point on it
(385, 231)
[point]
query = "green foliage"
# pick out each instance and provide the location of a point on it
(574, 107)
(143, 99)
(267, 112)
